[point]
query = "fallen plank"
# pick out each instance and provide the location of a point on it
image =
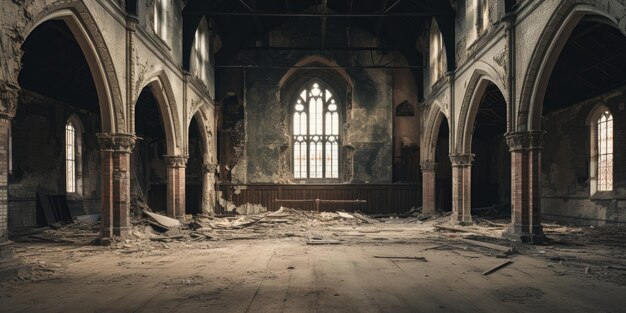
(323, 242)
(345, 215)
(619, 268)
(492, 246)
(497, 267)
(458, 230)
(417, 258)
(163, 220)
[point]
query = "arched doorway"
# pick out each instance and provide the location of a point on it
(443, 181)
(194, 171)
(53, 151)
(148, 167)
(491, 170)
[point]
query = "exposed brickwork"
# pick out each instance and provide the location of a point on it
(116, 149)
(428, 187)
(525, 150)
(462, 188)
(176, 185)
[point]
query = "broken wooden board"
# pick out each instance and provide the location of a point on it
(314, 242)
(497, 267)
(488, 245)
(163, 220)
(452, 229)
(417, 258)
(345, 215)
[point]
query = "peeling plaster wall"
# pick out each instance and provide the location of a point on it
(565, 164)
(38, 134)
(369, 128)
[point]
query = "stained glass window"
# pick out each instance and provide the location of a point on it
(316, 134)
(70, 157)
(605, 152)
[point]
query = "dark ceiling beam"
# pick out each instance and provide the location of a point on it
(323, 23)
(383, 49)
(243, 66)
(379, 22)
(327, 15)
(252, 8)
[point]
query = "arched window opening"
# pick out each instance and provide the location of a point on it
(482, 15)
(437, 53)
(200, 55)
(70, 157)
(604, 126)
(160, 18)
(316, 133)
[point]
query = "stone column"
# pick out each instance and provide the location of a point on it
(176, 185)
(115, 150)
(429, 171)
(525, 148)
(209, 171)
(462, 188)
(9, 265)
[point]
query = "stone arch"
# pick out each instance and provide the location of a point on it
(161, 88)
(433, 122)
(481, 78)
(546, 53)
(206, 134)
(340, 84)
(89, 37)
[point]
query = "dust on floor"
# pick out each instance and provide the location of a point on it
(293, 261)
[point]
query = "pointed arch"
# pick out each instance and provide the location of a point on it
(545, 55)
(90, 39)
(435, 117)
(161, 88)
(480, 79)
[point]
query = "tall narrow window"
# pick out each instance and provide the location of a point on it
(70, 157)
(200, 53)
(437, 53)
(316, 134)
(605, 152)
(482, 15)
(160, 18)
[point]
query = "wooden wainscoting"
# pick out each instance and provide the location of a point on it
(381, 198)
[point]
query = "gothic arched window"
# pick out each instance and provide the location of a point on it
(160, 22)
(70, 157)
(73, 155)
(316, 133)
(604, 151)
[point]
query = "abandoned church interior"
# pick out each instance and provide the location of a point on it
(312, 156)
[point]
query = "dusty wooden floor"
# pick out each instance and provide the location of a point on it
(286, 275)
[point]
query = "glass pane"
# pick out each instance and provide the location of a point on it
(296, 124)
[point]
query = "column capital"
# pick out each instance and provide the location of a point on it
(209, 167)
(176, 161)
(527, 140)
(8, 99)
(462, 159)
(116, 142)
(428, 166)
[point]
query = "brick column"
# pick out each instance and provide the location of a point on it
(115, 150)
(176, 185)
(429, 171)
(9, 265)
(208, 188)
(525, 148)
(462, 188)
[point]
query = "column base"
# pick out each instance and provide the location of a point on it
(10, 267)
(514, 232)
(461, 220)
(121, 231)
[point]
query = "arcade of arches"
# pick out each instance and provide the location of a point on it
(511, 110)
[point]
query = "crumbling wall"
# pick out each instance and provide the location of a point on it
(566, 193)
(38, 157)
(368, 129)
